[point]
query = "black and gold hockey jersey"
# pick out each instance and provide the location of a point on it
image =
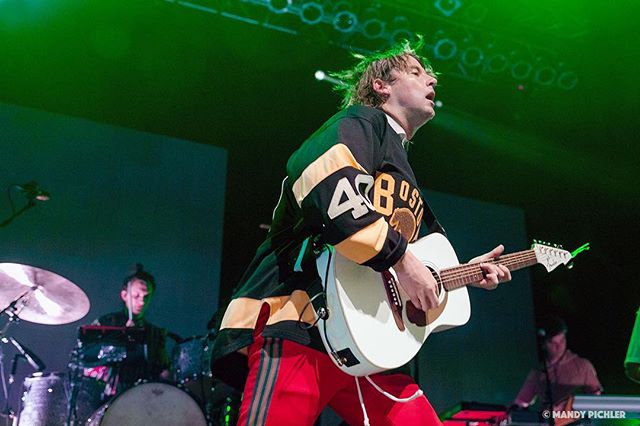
(349, 185)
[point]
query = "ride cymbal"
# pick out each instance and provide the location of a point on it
(44, 297)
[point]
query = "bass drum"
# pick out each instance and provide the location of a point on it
(150, 403)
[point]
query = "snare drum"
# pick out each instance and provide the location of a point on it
(150, 403)
(191, 365)
(44, 401)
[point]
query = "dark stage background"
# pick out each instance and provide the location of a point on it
(455, 365)
(567, 158)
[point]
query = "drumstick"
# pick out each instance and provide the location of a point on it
(130, 305)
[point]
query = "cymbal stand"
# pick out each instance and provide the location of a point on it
(75, 375)
(10, 311)
(13, 308)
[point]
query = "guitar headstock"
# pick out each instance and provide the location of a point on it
(550, 255)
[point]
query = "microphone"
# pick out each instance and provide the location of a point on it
(33, 191)
(541, 332)
(31, 358)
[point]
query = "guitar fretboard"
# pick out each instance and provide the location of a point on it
(462, 275)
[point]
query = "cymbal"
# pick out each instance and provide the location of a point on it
(48, 298)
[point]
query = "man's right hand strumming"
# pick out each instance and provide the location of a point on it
(417, 281)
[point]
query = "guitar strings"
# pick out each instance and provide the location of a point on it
(470, 275)
(451, 277)
(457, 272)
(511, 259)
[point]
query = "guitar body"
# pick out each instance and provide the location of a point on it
(366, 332)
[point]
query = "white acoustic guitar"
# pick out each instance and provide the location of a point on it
(370, 325)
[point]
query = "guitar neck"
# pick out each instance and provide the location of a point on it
(462, 275)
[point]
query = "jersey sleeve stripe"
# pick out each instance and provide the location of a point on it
(334, 159)
(243, 312)
(366, 243)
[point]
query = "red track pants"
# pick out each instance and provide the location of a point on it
(290, 384)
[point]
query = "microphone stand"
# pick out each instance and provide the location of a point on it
(31, 203)
(35, 362)
(543, 352)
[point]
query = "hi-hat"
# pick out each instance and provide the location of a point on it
(42, 296)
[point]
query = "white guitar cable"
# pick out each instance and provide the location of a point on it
(416, 394)
(364, 410)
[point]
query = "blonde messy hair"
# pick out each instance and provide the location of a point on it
(356, 83)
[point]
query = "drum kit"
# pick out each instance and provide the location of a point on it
(192, 398)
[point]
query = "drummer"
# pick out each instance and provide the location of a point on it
(148, 361)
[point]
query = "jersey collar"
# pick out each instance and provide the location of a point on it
(399, 130)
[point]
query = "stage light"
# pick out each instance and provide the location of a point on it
(472, 57)
(311, 13)
(521, 70)
(445, 49)
(401, 34)
(322, 76)
(545, 76)
(475, 12)
(373, 28)
(567, 80)
(345, 21)
(279, 6)
(496, 63)
(447, 7)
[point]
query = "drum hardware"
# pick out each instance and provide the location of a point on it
(98, 346)
(75, 375)
(44, 400)
(22, 352)
(36, 295)
(191, 363)
(84, 395)
(109, 334)
(26, 354)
